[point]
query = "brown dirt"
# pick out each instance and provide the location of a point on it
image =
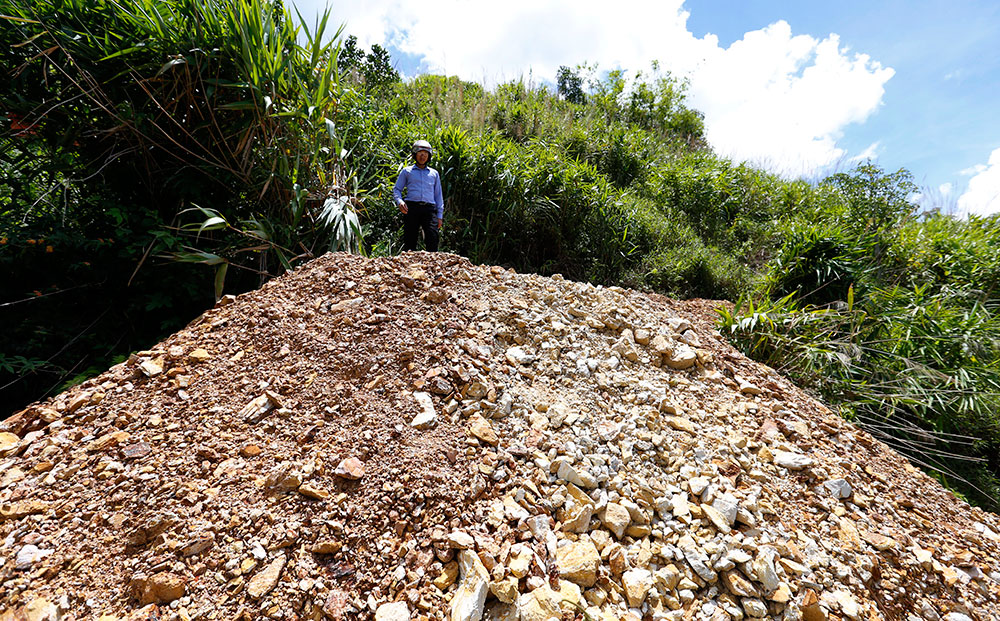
(140, 477)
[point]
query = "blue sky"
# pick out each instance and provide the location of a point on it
(800, 88)
(939, 115)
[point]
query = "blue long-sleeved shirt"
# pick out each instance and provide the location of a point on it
(421, 184)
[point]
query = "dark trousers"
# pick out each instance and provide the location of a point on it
(420, 216)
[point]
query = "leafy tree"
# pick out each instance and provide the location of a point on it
(876, 200)
(374, 69)
(655, 103)
(350, 57)
(569, 85)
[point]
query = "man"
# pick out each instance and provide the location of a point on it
(424, 204)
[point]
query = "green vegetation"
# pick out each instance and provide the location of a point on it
(157, 153)
(141, 139)
(892, 318)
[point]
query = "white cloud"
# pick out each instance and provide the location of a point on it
(870, 153)
(972, 170)
(945, 189)
(774, 98)
(501, 41)
(784, 100)
(982, 196)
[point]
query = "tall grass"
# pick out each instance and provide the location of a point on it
(235, 96)
(136, 133)
(898, 327)
(545, 184)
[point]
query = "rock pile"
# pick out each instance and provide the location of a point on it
(420, 438)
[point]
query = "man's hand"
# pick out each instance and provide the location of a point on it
(440, 223)
(402, 208)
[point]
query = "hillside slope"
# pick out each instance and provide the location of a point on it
(418, 437)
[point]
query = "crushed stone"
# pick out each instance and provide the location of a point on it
(419, 438)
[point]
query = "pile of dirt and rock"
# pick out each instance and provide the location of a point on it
(418, 437)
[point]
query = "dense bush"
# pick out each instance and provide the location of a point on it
(892, 317)
(143, 138)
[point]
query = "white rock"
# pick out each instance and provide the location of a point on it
(683, 357)
(41, 609)
(150, 368)
(579, 562)
(427, 416)
(28, 556)
(678, 325)
(738, 556)
(838, 488)
(848, 605)
(541, 530)
(256, 409)
(476, 390)
(541, 604)
(679, 505)
(578, 510)
(625, 346)
(986, 531)
(514, 511)
(461, 540)
(697, 559)
(792, 461)
(635, 511)
(519, 563)
(517, 355)
(557, 414)
(504, 405)
(661, 345)
(395, 611)
(754, 607)
(690, 337)
(580, 478)
(764, 570)
(716, 517)
(728, 506)
(637, 583)
(539, 526)
(616, 519)
(474, 585)
(663, 507)
(697, 485)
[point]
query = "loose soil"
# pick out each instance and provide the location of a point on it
(262, 462)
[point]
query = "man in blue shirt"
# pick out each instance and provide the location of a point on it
(423, 207)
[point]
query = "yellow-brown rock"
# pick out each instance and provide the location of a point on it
(160, 588)
(447, 576)
(578, 562)
(266, 579)
(481, 428)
